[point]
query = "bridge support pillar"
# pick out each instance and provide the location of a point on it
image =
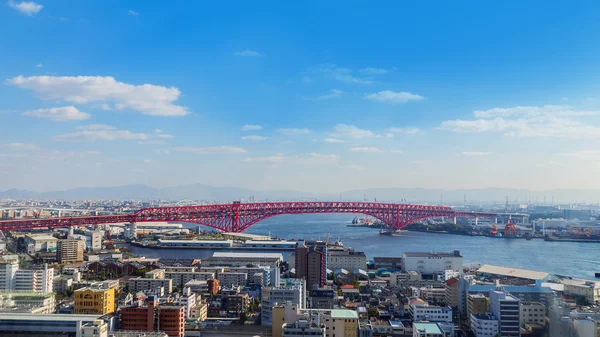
(476, 221)
(454, 220)
(496, 220)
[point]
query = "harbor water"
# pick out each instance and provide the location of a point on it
(577, 259)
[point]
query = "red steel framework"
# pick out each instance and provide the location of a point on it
(237, 217)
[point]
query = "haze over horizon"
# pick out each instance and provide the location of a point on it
(323, 98)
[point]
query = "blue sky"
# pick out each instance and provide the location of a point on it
(341, 95)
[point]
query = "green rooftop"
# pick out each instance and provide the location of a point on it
(343, 313)
(428, 328)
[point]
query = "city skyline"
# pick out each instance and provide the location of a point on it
(322, 98)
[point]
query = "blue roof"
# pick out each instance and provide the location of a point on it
(511, 289)
(429, 328)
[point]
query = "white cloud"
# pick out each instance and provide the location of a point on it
(396, 151)
(583, 154)
(152, 142)
(333, 140)
(405, 131)
(333, 93)
(475, 154)
(147, 161)
(39, 65)
(132, 12)
(100, 132)
(248, 53)
(19, 146)
(351, 131)
(535, 111)
(63, 19)
(67, 113)
(251, 127)
(306, 159)
(293, 131)
(389, 96)
(147, 99)
(342, 74)
(211, 150)
(26, 7)
(254, 138)
(163, 136)
(373, 71)
(276, 159)
(354, 167)
(162, 152)
(557, 121)
(366, 149)
(527, 127)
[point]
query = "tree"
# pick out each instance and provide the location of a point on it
(243, 318)
(373, 312)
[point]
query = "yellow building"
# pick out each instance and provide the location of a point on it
(94, 300)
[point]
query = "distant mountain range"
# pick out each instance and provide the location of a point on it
(206, 192)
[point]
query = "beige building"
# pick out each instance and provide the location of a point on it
(477, 304)
(199, 311)
(588, 289)
(533, 313)
(69, 251)
(155, 274)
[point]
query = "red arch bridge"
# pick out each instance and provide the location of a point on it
(237, 217)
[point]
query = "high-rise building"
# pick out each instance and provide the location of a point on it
(94, 239)
(12, 278)
(290, 291)
(506, 308)
(94, 300)
(451, 294)
(69, 250)
(311, 263)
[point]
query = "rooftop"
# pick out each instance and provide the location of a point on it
(455, 253)
(248, 255)
(428, 328)
(41, 237)
(513, 272)
(341, 313)
(52, 318)
(510, 289)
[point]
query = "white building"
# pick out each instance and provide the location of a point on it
(35, 280)
(228, 279)
(41, 242)
(398, 279)
(345, 259)
(424, 312)
(291, 290)
(533, 313)
(188, 299)
(302, 328)
(432, 262)
(181, 278)
(585, 327)
(12, 278)
(484, 325)
(149, 284)
(94, 239)
(34, 303)
(507, 309)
